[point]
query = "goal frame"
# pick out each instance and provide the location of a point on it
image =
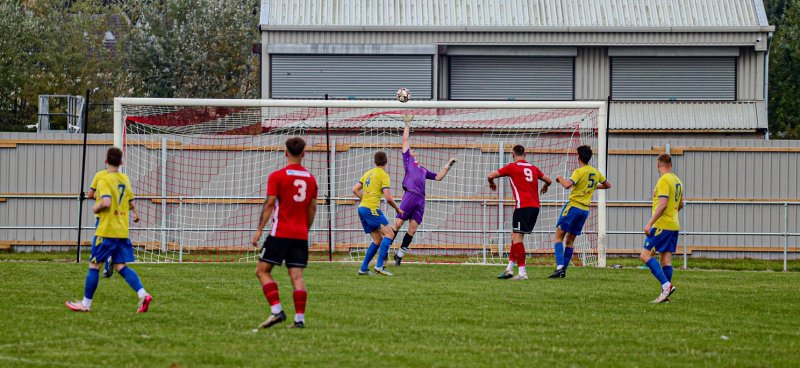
(600, 106)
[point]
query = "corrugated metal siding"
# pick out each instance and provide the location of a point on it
(592, 74)
(678, 78)
(729, 116)
(351, 76)
(758, 175)
(538, 38)
(750, 75)
(512, 13)
(511, 78)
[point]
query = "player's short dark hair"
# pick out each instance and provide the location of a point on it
(114, 156)
(518, 150)
(295, 146)
(380, 158)
(585, 154)
(665, 159)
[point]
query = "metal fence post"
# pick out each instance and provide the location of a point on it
(331, 196)
(180, 231)
(785, 234)
(485, 238)
(500, 209)
(685, 235)
(163, 194)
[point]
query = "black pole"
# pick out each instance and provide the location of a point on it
(82, 195)
(330, 179)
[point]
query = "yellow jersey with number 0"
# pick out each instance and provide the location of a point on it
(668, 186)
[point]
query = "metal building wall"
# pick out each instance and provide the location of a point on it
(592, 74)
(750, 75)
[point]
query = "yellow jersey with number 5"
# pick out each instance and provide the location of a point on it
(670, 187)
(114, 220)
(584, 182)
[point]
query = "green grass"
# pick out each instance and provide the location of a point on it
(204, 314)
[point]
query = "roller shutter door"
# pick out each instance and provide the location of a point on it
(676, 78)
(350, 76)
(511, 78)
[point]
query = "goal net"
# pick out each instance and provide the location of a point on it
(199, 169)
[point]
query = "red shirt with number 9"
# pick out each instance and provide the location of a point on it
(524, 182)
(294, 187)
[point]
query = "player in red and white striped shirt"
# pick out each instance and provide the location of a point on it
(292, 204)
(525, 188)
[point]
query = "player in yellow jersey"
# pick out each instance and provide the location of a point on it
(372, 185)
(583, 182)
(108, 271)
(115, 201)
(663, 227)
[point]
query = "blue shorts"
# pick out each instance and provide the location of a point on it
(371, 220)
(572, 219)
(121, 250)
(662, 240)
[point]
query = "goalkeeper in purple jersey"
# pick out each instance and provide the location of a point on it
(413, 202)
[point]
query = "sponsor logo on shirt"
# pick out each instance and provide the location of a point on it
(304, 174)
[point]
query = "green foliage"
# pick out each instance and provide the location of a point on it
(784, 88)
(172, 48)
(426, 316)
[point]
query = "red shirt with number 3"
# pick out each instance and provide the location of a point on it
(524, 182)
(294, 187)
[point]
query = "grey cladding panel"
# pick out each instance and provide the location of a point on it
(676, 78)
(511, 78)
(351, 76)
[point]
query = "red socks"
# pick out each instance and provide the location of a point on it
(270, 290)
(300, 297)
(518, 252)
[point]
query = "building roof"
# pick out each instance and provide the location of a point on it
(516, 15)
(689, 116)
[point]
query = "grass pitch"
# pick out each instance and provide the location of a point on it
(425, 316)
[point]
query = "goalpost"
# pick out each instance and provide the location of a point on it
(199, 169)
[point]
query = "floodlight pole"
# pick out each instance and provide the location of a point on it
(82, 195)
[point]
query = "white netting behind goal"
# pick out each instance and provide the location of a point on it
(200, 174)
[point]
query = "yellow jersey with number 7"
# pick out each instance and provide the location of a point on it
(114, 221)
(670, 187)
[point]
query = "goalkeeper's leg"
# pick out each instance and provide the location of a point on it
(407, 239)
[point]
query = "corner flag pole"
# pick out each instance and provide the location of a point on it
(82, 195)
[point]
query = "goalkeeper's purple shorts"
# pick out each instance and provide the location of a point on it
(413, 205)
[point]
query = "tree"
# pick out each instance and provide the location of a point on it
(784, 87)
(193, 48)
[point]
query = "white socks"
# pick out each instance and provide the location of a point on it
(401, 252)
(522, 271)
(665, 285)
(276, 308)
(510, 267)
(141, 293)
(300, 317)
(87, 303)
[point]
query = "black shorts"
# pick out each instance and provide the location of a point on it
(293, 251)
(524, 219)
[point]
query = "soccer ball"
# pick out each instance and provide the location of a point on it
(403, 95)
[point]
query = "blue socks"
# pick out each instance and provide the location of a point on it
(657, 271)
(384, 251)
(668, 272)
(368, 258)
(558, 249)
(92, 279)
(131, 278)
(567, 256)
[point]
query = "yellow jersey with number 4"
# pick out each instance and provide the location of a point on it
(584, 182)
(114, 220)
(668, 186)
(373, 182)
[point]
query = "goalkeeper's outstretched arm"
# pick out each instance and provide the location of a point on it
(445, 169)
(406, 132)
